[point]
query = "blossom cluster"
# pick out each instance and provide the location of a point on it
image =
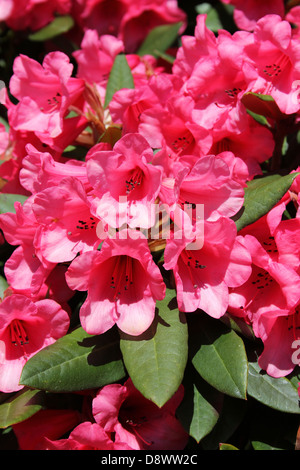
(180, 138)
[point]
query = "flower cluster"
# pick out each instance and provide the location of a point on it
(161, 167)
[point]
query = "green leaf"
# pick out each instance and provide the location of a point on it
(263, 446)
(159, 39)
(20, 407)
(261, 195)
(263, 105)
(7, 202)
(120, 77)
(199, 410)
(227, 447)
(213, 21)
(219, 356)
(77, 361)
(60, 25)
(3, 286)
(231, 417)
(156, 360)
(277, 393)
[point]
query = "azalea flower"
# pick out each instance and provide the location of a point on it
(26, 327)
(122, 283)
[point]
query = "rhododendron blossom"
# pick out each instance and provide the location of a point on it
(124, 181)
(136, 421)
(44, 91)
(25, 328)
(207, 273)
(122, 282)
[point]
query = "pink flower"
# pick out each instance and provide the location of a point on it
(208, 183)
(130, 22)
(172, 125)
(45, 93)
(124, 181)
(207, 265)
(248, 12)
(272, 286)
(32, 14)
(24, 270)
(66, 225)
(277, 328)
(122, 282)
(40, 171)
(25, 328)
(273, 64)
(86, 436)
(95, 58)
(34, 432)
(254, 145)
(138, 422)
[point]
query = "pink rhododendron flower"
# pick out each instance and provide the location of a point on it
(95, 58)
(40, 171)
(66, 225)
(25, 328)
(275, 62)
(24, 270)
(207, 182)
(45, 93)
(203, 275)
(274, 328)
(124, 181)
(34, 432)
(247, 12)
(86, 436)
(272, 285)
(123, 410)
(130, 22)
(122, 282)
(32, 14)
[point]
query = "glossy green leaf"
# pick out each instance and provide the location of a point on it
(231, 417)
(7, 202)
(120, 77)
(60, 25)
(213, 21)
(20, 406)
(219, 356)
(199, 410)
(263, 446)
(77, 361)
(277, 393)
(261, 195)
(159, 39)
(156, 359)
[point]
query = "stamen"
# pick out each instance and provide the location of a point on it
(182, 142)
(135, 180)
(191, 264)
(122, 275)
(18, 334)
